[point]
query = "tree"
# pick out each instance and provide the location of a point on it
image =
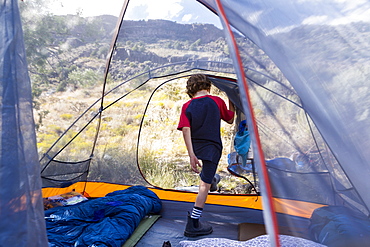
(41, 31)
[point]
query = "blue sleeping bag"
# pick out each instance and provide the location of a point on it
(105, 221)
(338, 226)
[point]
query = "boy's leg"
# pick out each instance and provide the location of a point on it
(193, 226)
(202, 194)
(200, 200)
(206, 177)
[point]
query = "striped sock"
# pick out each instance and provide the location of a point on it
(195, 214)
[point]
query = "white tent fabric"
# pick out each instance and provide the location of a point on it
(21, 209)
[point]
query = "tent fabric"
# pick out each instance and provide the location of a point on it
(21, 210)
(294, 208)
(225, 221)
(306, 62)
(289, 53)
(67, 173)
(105, 221)
(324, 80)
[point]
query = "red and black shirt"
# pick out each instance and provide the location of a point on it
(203, 115)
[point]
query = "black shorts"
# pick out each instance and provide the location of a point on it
(208, 171)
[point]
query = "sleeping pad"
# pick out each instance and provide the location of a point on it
(105, 221)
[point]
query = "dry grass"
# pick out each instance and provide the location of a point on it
(158, 149)
(162, 155)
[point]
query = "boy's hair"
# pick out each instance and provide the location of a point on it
(196, 83)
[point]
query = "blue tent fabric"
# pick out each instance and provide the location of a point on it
(21, 210)
(105, 221)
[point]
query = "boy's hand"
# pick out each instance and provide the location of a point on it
(194, 162)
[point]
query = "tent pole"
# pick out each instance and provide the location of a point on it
(267, 199)
(107, 66)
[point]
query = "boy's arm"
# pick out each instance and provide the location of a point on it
(231, 108)
(194, 162)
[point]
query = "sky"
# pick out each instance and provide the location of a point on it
(86, 7)
(186, 11)
(182, 11)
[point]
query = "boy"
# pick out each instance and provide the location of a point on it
(200, 122)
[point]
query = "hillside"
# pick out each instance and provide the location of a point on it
(151, 31)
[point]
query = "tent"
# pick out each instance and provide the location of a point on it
(297, 72)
